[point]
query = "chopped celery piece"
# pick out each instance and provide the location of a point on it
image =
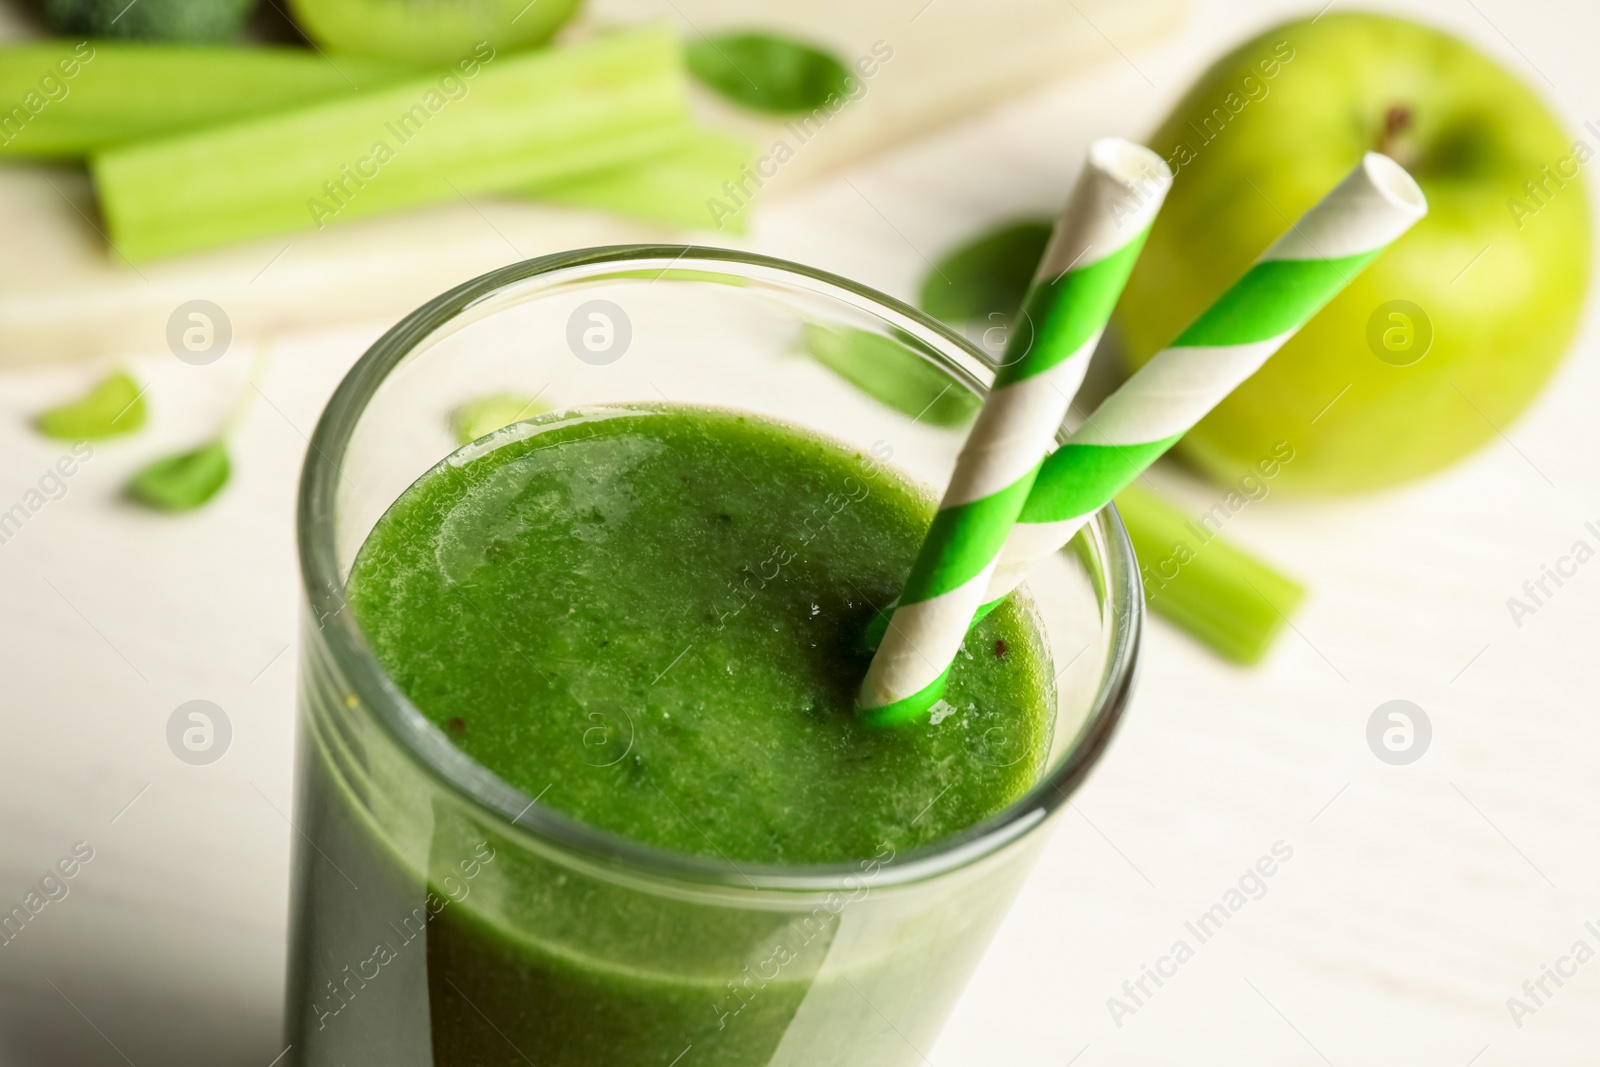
(483, 416)
(675, 186)
(892, 373)
(1231, 601)
(489, 124)
(67, 100)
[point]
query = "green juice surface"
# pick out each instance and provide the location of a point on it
(649, 618)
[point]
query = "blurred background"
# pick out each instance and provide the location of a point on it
(1374, 611)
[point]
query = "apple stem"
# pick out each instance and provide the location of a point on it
(1396, 124)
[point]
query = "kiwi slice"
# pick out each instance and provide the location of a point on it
(429, 31)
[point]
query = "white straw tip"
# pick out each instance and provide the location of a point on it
(1116, 196)
(1131, 165)
(1395, 184)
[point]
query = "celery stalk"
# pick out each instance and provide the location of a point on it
(1232, 602)
(491, 124)
(673, 187)
(64, 100)
(98, 94)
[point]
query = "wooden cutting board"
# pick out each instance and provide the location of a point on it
(65, 295)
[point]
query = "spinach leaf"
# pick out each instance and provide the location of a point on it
(113, 407)
(987, 275)
(767, 73)
(184, 481)
(892, 373)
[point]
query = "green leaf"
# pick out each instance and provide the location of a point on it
(892, 373)
(481, 417)
(986, 276)
(113, 407)
(767, 73)
(184, 481)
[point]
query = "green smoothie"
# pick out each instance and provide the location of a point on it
(650, 619)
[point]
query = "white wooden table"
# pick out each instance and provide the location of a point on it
(1417, 898)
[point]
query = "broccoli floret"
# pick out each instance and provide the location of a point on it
(149, 20)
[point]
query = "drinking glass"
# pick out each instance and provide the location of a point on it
(440, 916)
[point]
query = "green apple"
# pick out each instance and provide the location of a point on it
(429, 31)
(1438, 345)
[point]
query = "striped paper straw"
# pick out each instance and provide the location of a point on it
(1301, 272)
(1090, 255)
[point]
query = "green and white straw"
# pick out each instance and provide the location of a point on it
(1090, 255)
(1301, 272)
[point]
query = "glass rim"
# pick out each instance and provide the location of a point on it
(513, 812)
